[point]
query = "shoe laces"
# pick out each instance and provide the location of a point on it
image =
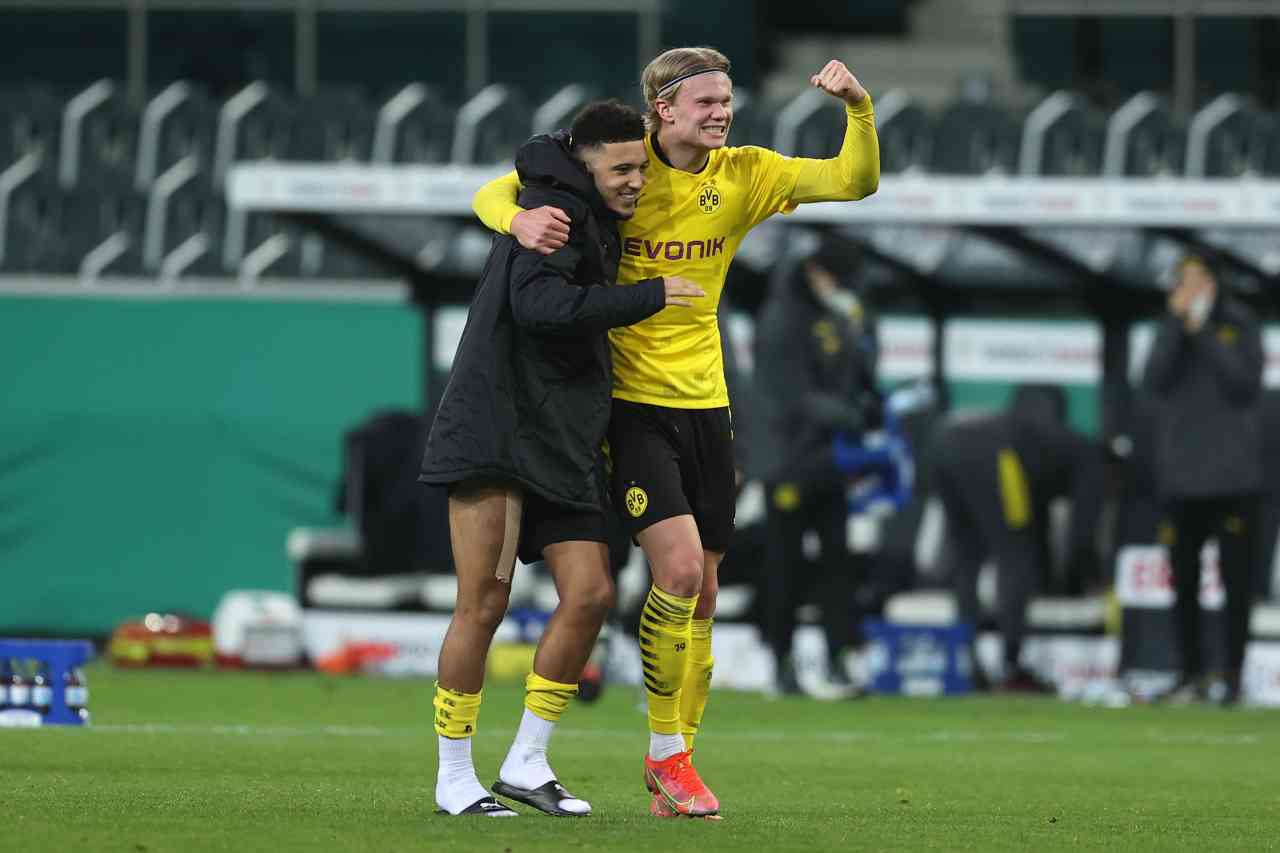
(682, 771)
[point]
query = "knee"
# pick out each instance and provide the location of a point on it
(590, 604)
(679, 571)
(487, 609)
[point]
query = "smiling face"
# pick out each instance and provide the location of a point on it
(618, 169)
(700, 112)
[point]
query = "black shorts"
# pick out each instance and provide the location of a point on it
(666, 462)
(544, 523)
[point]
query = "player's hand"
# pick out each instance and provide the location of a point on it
(542, 229)
(681, 290)
(836, 79)
(1180, 301)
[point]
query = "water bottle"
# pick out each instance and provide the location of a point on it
(41, 688)
(76, 693)
(19, 686)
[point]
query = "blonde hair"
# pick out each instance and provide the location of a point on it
(671, 65)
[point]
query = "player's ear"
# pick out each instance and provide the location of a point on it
(664, 108)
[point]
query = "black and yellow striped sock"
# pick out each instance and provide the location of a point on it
(664, 653)
(697, 680)
(456, 713)
(546, 698)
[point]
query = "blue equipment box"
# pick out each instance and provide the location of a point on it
(919, 660)
(60, 657)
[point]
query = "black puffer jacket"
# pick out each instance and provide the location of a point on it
(528, 396)
(814, 377)
(1209, 385)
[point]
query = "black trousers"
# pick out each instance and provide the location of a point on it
(976, 530)
(794, 509)
(1234, 521)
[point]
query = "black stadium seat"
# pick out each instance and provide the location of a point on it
(105, 229)
(975, 138)
(333, 126)
(1144, 139)
(415, 125)
(35, 229)
(179, 122)
(99, 137)
(30, 123)
(905, 130)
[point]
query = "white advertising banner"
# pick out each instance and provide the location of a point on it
(1008, 351)
(1144, 577)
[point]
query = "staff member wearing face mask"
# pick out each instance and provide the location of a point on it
(1206, 369)
(815, 367)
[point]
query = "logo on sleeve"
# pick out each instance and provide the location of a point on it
(637, 501)
(708, 198)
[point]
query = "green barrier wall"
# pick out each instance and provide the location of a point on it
(155, 453)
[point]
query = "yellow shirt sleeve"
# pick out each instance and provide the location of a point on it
(853, 173)
(495, 202)
(781, 183)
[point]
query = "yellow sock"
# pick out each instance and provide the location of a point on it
(547, 698)
(456, 712)
(697, 680)
(664, 653)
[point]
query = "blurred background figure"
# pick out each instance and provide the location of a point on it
(814, 380)
(996, 474)
(1205, 369)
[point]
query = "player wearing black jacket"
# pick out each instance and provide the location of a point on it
(517, 440)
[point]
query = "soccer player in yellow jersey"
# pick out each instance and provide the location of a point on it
(671, 432)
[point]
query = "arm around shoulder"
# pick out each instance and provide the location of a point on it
(495, 202)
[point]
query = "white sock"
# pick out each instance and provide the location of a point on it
(456, 784)
(664, 746)
(526, 763)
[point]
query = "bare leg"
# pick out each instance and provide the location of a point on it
(674, 550)
(581, 572)
(682, 572)
(477, 524)
(477, 529)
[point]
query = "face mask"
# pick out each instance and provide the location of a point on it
(845, 303)
(1200, 307)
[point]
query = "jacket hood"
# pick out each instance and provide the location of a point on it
(546, 161)
(788, 282)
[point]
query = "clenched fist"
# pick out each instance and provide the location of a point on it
(836, 79)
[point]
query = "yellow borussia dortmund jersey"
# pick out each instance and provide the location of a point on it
(690, 225)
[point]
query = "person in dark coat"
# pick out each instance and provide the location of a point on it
(517, 437)
(996, 474)
(1205, 369)
(814, 379)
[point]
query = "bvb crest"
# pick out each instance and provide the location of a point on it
(708, 198)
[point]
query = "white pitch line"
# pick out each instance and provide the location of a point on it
(844, 736)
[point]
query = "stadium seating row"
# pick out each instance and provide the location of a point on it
(94, 185)
(97, 135)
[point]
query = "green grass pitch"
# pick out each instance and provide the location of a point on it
(193, 761)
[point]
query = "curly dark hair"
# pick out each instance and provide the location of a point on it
(602, 122)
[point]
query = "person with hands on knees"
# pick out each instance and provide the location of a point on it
(517, 440)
